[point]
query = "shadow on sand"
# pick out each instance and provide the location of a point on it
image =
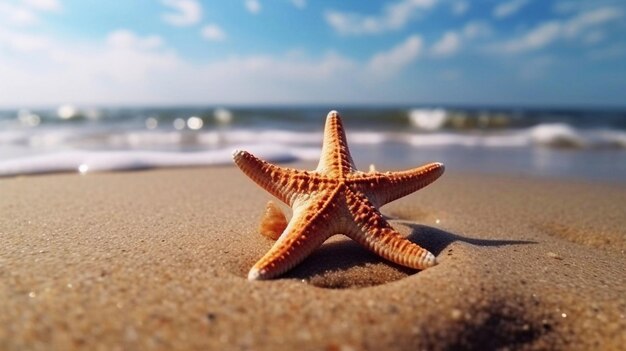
(345, 254)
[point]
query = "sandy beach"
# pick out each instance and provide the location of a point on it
(157, 260)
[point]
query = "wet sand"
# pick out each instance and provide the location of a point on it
(158, 260)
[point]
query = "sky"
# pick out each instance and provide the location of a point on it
(286, 52)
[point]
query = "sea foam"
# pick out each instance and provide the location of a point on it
(97, 161)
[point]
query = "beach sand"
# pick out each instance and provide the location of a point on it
(157, 260)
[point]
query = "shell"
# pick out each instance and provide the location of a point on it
(273, 222)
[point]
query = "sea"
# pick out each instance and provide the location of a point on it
(575, 143)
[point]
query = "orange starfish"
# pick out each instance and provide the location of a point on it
(336, 198)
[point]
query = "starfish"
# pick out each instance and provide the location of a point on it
(335, 198)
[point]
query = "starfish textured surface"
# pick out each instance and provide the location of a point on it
(336, 198)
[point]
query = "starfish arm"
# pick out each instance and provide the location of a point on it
(390, 186)
(309, 227)
(335, 159)
(374, 232)
(274, 179)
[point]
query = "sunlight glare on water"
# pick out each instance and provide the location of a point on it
(223, 116)
(151, 123)
(179, 124)
(195, 123)
(66, 111)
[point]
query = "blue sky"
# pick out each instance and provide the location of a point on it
(173, 52)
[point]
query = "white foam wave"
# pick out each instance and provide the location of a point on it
(145, 139)
(608, 138)
(453, 139)
(368, 138)
(428, 119)
(282, 137)
(274, 145)
(94, 161)
(556, 135)
(268, 136)
(544, 135)
(13, 137)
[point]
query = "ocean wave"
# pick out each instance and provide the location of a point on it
(545, 135)
(183, 148)
(428, 119)
(424, 119)
(452, 139)
(98, 161)
(550, 135)
(72, 138)
(558, 135)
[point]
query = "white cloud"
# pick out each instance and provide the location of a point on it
(477, 29)
(549, 32)
(299, 3)
(253, 6)
(213, 32)
(508, 8)
(385, 64)
(127, 68)
(130, 76)
(23, 42)
(460, 7)
(451, 41)
(184, 12)
(122, 66)
(126, 39)
(287, 67)
(17, 15)
(537, 38)
(589, 19)
(447, 46)
(567, 7)
(394, 17)
(43, 5)
(26, 12)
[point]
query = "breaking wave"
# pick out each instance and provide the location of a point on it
(69, 138)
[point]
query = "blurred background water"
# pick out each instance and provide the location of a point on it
(582, 143)
(515, 86)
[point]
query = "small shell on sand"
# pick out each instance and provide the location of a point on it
(273, 222)
(554, 255)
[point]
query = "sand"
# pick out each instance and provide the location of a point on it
(157, 260)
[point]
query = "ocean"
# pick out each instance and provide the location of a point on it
(586, 144)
